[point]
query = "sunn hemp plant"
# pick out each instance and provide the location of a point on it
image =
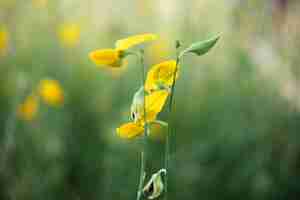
(156, 88)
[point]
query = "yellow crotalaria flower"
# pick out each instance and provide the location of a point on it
(3, 41)
(69, 34)
(154, 103)
(108, 57)
(28, 109)
(126, 43)
(114, 57)
(51, 92)
(161, 74)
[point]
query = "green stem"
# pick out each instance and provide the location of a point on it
(168, 136)
(142, 176)
(144, 145)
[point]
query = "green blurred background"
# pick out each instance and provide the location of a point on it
(236, 109)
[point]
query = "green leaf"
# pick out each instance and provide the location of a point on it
(202, 47)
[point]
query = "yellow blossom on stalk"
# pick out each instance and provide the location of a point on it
(161, 74)
(154, 103)
(28, 109)
(114, 57)
(108, 57)
(51, 92)
(3, 40)
(69, 34)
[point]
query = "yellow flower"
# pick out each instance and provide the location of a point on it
(69, 34)
(28, 109)
(51, 92)
(3, 41)
(113, 57)
(161, 74)
(154, 103)
(108, 57)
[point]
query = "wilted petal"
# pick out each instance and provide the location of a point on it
(137, 106)
(126, 43)
(130, 130)
(155, 186)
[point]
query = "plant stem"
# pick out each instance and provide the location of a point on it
(144, 145)
(142, 176)
(168, 136)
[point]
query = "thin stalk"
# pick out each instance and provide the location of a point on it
(142, 176)
(169, 133)
(144, 145)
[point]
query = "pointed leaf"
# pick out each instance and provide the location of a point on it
(202, 47)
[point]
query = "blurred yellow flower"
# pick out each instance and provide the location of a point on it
(28, 109)
(113, 57)
(3, 40)
(39, 3)
(69, 34)
(161, 74)
(51, 92)
(154, 103)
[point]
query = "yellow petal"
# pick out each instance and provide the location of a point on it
(108, 57)
(51, 92)
(162, 73)
(126, 43)
(28, 109)
(130, 130)
(154, 103)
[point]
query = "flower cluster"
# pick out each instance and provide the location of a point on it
(69, 34)
(49, 91)
(114, 57)
(150, 99)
